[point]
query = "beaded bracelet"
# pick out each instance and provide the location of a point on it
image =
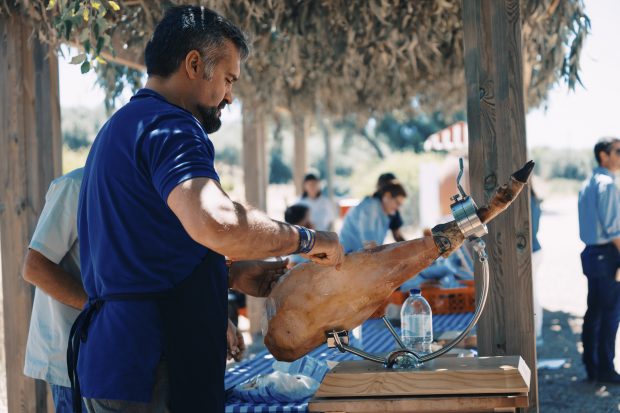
(307, 238)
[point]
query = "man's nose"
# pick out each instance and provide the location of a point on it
(228, 96)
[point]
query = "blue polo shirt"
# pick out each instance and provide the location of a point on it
(130, 240)
(599, 208)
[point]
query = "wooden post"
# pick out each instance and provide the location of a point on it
(30, 156)
(300, 167)
(254, 158)
(329, 163)
(255, 175)
(497, 146)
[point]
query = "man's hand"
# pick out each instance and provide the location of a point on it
(235, 342)
(327, 249)
(256, 278)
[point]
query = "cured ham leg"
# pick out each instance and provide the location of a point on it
(311, 300)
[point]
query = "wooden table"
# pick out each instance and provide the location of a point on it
(376, 339)
(448, 384)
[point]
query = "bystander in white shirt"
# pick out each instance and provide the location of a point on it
(55, 237)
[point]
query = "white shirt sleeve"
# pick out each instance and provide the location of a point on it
(56, 230)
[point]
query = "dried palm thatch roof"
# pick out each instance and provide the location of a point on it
(363, 57)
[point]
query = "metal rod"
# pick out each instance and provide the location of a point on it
(393, 332)
(363, 354)
(479, 247)
(458, 179)
(357, 352)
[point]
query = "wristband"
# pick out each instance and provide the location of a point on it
(306, 240)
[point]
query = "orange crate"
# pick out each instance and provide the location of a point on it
(451, 300)
(397, 297)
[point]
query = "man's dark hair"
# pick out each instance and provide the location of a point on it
(187, 28)
(385, 179)
(295, 213)
(604, 145)
(394, 188)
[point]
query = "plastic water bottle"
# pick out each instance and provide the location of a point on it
(416, 320)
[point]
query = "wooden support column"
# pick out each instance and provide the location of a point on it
(497, 147)
(329, 162)
(255, 178)
(255, 172)
(300, 166)
(30, 156)
(324, 126)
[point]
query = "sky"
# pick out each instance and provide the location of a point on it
(570, 119)
(578, 119)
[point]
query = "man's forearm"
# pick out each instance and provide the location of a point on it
(53, 280)
(616, 242)
(212, 219)
(256, 236)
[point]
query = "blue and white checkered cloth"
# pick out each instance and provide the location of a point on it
(375, 339)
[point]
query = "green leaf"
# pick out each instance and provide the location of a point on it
(68, 26)
(96, 29)
(76, 60)
(85, 67)
(100, 43)
(87, 46)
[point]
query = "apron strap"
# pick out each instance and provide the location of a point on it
(79, 334)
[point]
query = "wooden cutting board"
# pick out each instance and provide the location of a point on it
(442, 376)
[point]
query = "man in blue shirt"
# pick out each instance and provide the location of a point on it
(599, 229)
(154, 226)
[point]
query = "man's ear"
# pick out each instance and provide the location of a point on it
(193, 65)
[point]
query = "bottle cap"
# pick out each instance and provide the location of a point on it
(414, 291)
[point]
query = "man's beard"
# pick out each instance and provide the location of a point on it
(209, 118)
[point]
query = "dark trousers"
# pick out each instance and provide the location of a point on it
(600, 323)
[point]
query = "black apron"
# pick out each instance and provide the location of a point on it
(194, 317)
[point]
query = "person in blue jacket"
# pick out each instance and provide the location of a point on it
(367, 224)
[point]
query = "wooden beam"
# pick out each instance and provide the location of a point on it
(254, 158)
(121, 55)
(255, 175)
(325, 128)
(30, 150)
(497, 146)
(300, 166)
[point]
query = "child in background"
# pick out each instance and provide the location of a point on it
(322, 210)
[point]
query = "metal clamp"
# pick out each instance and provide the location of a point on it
(464, 211)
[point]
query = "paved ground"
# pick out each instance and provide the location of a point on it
(563, 296)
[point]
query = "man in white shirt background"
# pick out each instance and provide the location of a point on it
(52, 265)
